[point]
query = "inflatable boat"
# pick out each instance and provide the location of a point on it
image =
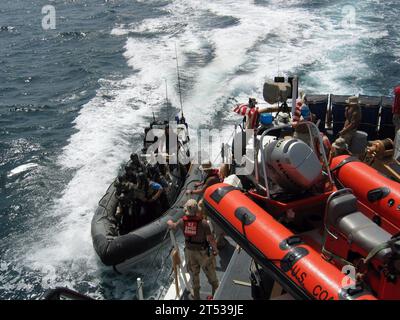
(317, 238)
(378, 195)
(121, 246)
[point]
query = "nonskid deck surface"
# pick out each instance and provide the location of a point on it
(235, 284)
(235, 278)
(223, 260)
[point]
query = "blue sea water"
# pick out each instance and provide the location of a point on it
(74, 101)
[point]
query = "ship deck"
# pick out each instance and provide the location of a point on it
(235, 284)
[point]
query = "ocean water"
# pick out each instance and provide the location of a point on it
(74, 102)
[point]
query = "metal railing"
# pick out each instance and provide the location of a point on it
(309, 125)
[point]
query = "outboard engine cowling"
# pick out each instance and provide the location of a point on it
(292, 164)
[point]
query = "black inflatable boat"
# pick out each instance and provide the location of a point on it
(123, 248)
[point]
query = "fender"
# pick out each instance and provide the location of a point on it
(378, 196)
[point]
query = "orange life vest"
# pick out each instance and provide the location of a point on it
(190, 226)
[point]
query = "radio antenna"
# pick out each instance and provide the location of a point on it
(179, 79)
(152, 111)
(166, 98)
(279, 60)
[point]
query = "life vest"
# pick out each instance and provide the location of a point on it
(190, 226)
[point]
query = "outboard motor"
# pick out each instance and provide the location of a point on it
(292, 164)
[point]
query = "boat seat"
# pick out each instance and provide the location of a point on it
(340, 207)
(357, 228)
(359, 142)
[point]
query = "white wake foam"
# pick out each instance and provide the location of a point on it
(22, 168)
(105, 126)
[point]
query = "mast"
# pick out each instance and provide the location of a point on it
(166, 98)
(179, 80)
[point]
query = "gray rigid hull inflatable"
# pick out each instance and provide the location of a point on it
(114, 249)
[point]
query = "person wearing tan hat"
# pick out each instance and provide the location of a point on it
(353, 119)
(211, 177)
(198, 239)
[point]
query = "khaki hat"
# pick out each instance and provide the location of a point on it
(340, 144)
(206, 166)
(191, 207)
(352, 101)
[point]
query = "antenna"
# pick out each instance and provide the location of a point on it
(179, 79)
(166, 98)
(152, 111)
(279, 60)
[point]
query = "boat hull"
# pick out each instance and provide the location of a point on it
(363, 179)
(295, 265)
(114, 249)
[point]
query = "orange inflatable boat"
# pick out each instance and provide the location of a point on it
(378, 196)
(297, 266)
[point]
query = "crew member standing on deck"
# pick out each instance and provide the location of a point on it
(198, 238)
(212, 176)
(353, 119)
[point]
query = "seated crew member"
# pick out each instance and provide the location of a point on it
(154, 202)
(130, 174)
(155, 175)
(165, 173)
(353, 119)
(119, 185)
(134, 163)
(198, 238)
(125, 212)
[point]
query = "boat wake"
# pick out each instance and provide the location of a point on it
(226, 50)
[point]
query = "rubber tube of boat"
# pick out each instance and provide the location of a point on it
(372, 189)
(299, 263)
